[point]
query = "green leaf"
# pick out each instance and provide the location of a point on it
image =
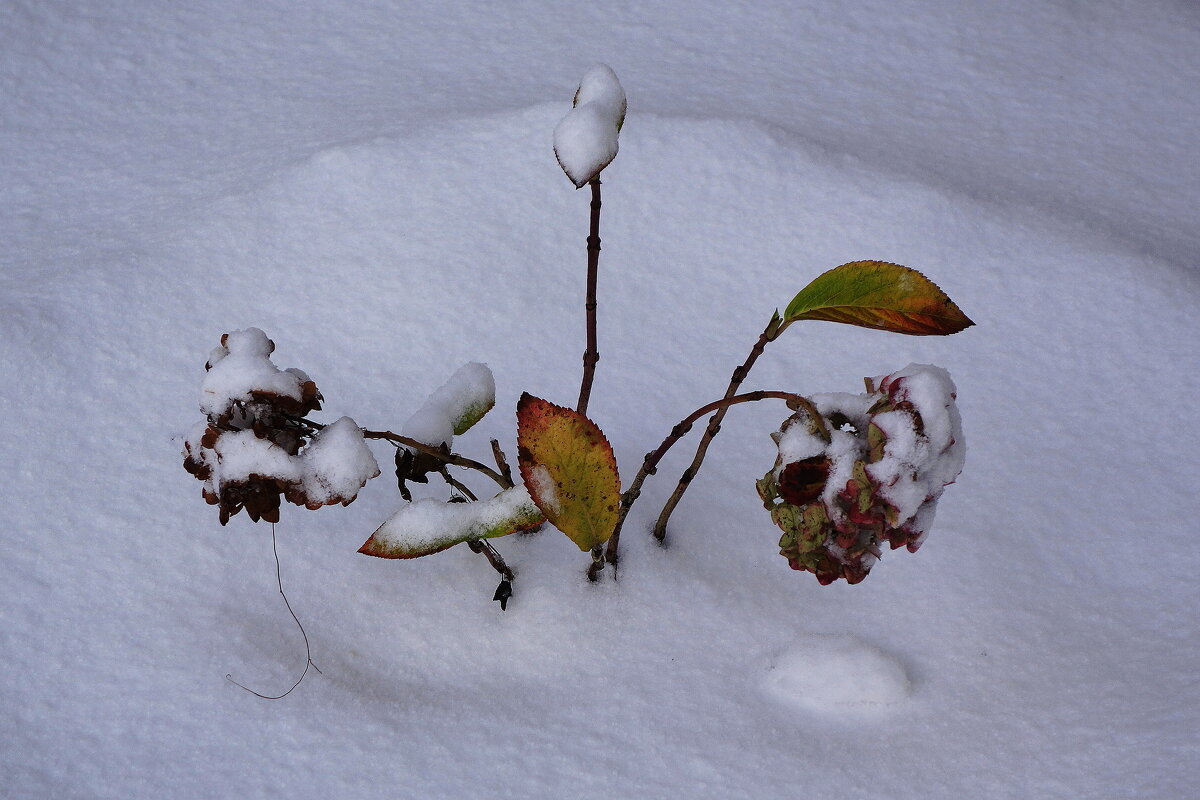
(429, 526)
(471, 413)
(875, 294)
(569, 469)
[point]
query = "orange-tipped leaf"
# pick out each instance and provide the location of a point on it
(429, 526)
(879, 295)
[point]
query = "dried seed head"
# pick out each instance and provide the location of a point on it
(255, 447)
(877, 481)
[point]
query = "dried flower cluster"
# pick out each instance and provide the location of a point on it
(255, 446)
(869, 471)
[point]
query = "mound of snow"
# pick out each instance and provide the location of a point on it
(836, 672)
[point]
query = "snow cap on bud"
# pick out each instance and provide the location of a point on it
(585, 141)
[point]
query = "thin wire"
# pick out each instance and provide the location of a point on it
(307, 647)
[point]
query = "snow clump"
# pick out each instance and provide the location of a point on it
(585, 141)
(240, 374)
(450, 411)
(454, 407)
(336, 464)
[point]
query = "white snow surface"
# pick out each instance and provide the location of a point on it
(585, 140)
(373, 183)
(836, 673)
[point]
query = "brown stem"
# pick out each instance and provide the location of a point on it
(458, 486)
(714, 426)
(597, 565)
(650, 464)
(502, 463)
(591, 355)
(504, 480)
(494, 558)
(504, 590)
(438, 452)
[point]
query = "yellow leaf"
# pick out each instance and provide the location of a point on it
(569, 469)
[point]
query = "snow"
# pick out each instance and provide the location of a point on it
(836, 674)
(242, 454)
(917, 464)
(454, 407)
(585, 140)
(374, 185)
(330, 469)
(337, 463)
(428, 524)
(241, 368)
(545, 488)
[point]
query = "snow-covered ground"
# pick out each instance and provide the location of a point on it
(374, 186)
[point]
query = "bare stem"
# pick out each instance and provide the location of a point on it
(650, 464)
(458, 486)
(504, 590)
(502, 463)
(591, 355)
(493, 556)
(597, 565)
(438, 452)
(714, 426)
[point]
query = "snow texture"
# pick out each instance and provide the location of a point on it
(836, 673)
(454, 407)
(585, 141)
(373, 185)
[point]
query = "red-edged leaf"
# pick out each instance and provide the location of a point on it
(876, 294)
(569, 469)
(428, 526)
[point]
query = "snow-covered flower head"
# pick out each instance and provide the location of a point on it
(869, 471)
(248, 451)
